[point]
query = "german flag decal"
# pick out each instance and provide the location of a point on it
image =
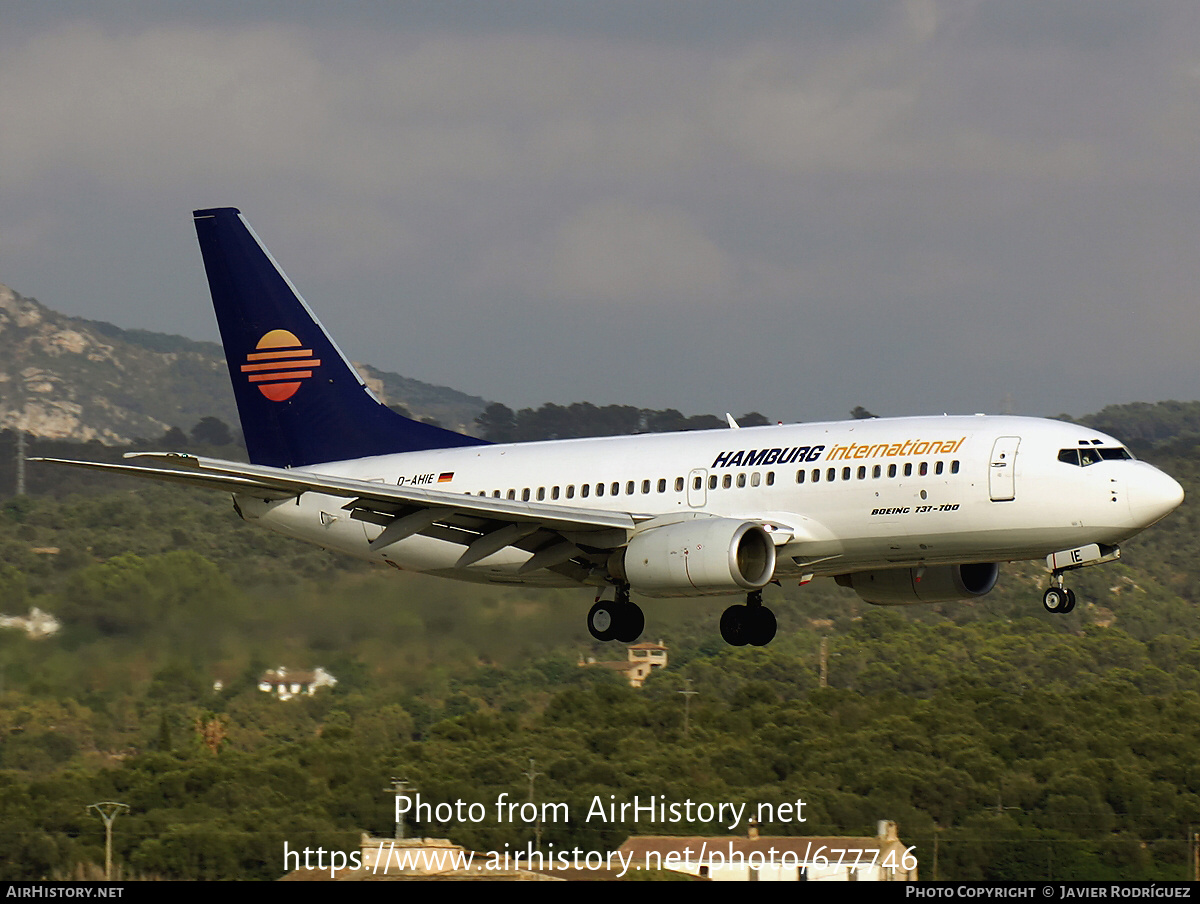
(279, 365)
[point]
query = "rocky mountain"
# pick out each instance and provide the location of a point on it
(68, 378)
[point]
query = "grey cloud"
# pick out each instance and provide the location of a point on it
(914, 206)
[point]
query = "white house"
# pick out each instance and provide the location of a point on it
(286, 685)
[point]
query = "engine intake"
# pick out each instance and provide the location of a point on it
(939, 584)
(707, 556)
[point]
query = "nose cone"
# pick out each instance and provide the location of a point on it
(1153, 495)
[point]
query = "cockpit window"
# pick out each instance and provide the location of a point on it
(1089, 455)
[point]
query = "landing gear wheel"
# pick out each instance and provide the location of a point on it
(1070, 601)
(752, 624)
(602, 620)
(1058, 600)
(623, 621)
(629, 623)
(734, 622)
(762, 626)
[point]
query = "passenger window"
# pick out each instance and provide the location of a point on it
(755, 479)
(571, 491)
(496, 494)
(741, 481)
(891, 470)
(678, 484)
(770, 478)
(541, 493)
(599, 489)
(877, 471)
(726, 481)
(800, 476)
(816, 475)
(584, 489)
(645, 486)
(712, 482)
(938, 468)
(512, 494)
(662, 484)
(525, 494)
(923, 469)
(629, 488)
(697, 482)
(831, 474)
(615, 489)
(954, 467)
(862, 472)
(554, 492)
(845, 473)
(908, 469)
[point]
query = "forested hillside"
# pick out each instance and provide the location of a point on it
(1029, 746)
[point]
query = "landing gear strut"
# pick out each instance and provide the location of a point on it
(616, 620)
(1058, 599)
(752, 624)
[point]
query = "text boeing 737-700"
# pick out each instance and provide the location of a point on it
(902, 510)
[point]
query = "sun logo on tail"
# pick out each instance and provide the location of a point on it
(279, 365)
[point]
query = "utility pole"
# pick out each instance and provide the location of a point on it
(937, 831)
(399, 788)
(21, 459)
(108, 810)
(688, 694)
(537, 827)
(20, 428)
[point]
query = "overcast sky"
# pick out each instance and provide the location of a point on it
(792, 207)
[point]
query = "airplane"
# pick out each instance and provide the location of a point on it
(900, 510)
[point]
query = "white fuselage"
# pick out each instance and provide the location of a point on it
(839, 497)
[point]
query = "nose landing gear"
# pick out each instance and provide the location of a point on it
(1058, 600)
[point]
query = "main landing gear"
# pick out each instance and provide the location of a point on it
(618, 619)
(752, 624)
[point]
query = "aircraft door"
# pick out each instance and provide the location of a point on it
(697, 488)
(1002, 469)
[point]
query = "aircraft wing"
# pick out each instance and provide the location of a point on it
(483, 524)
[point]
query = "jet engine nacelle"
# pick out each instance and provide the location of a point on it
(937, 584)
(701, 557)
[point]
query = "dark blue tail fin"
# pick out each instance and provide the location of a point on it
(300, 400)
